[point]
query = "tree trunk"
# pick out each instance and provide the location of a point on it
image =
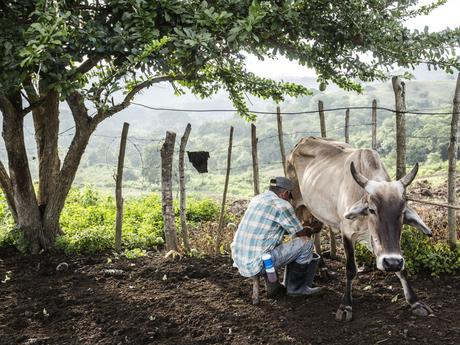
(347, 126)
(224, 197)
(452, 177)
(25, 202)
(118, 191)
(167, 152)
(183, 198)
(46, 123)
(374, 124)
(400, 103)
(280, 138)
(322, 120)
(64, 181)
(255, 159)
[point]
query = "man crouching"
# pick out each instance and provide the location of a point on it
(268, 216)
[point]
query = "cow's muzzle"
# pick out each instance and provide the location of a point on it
(391, 263)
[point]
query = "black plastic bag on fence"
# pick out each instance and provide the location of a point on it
(199, 160)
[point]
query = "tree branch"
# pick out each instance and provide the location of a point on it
(79, 111)
(86, 66)
(103, 114)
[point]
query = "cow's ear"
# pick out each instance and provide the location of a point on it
(413, 219)
(359, 208)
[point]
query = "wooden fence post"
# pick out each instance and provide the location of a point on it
(224, 198)
(452, 153)
(347, 126)
(280, 138)
(400, 102)
(255, 160)
(167, 152)
(183, 212)
(322, 121)
(374, 124)
(118, 191)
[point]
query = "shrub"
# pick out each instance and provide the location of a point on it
(199, 211)
(421, 254)
(425, 256)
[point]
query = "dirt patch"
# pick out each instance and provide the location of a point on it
(204, 301)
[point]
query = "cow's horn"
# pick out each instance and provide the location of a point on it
(407, 180)
(360, 179)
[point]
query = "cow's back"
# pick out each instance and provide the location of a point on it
(320, 169)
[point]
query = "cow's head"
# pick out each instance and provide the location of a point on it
(384, 205)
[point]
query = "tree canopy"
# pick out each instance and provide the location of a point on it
(105, 46)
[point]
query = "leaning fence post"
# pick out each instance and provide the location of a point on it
(183, 212)
(322, 121)
(118, 191)
(224, 198)
(374, 124)
(452, 153)
(255, 160)
(400, 102)
(167, 151)
(347, 126)
(280, 138)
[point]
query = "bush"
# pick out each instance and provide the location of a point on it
(199, 211)
(425, 256)
(88, 222)
(6, 223)
(421, 254)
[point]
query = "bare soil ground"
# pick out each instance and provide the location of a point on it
(204, 301)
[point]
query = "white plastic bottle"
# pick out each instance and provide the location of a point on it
(269, 269)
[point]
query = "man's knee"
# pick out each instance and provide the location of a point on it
(307, 244)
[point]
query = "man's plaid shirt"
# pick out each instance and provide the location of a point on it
(261, 230)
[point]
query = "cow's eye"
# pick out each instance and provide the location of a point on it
(372, 211)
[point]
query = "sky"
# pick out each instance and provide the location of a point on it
(439, 19)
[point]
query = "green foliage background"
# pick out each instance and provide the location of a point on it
(88, 221)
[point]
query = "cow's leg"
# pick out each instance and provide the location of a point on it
(344, 313)
(418, 308)
(255, 290)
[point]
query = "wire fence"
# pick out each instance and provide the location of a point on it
(139, 144)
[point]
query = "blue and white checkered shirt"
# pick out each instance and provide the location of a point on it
(261, 230)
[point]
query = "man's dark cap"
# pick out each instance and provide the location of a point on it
(282, 182)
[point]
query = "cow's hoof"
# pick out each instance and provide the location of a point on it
(344, 313)
(421, 309)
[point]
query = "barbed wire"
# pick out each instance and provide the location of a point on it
(306, 112)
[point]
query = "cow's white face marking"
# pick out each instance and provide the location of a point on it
(373, 187)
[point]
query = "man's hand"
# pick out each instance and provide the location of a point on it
(306, 231)
(316, 225)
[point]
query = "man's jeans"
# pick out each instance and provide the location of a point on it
(299, 250)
